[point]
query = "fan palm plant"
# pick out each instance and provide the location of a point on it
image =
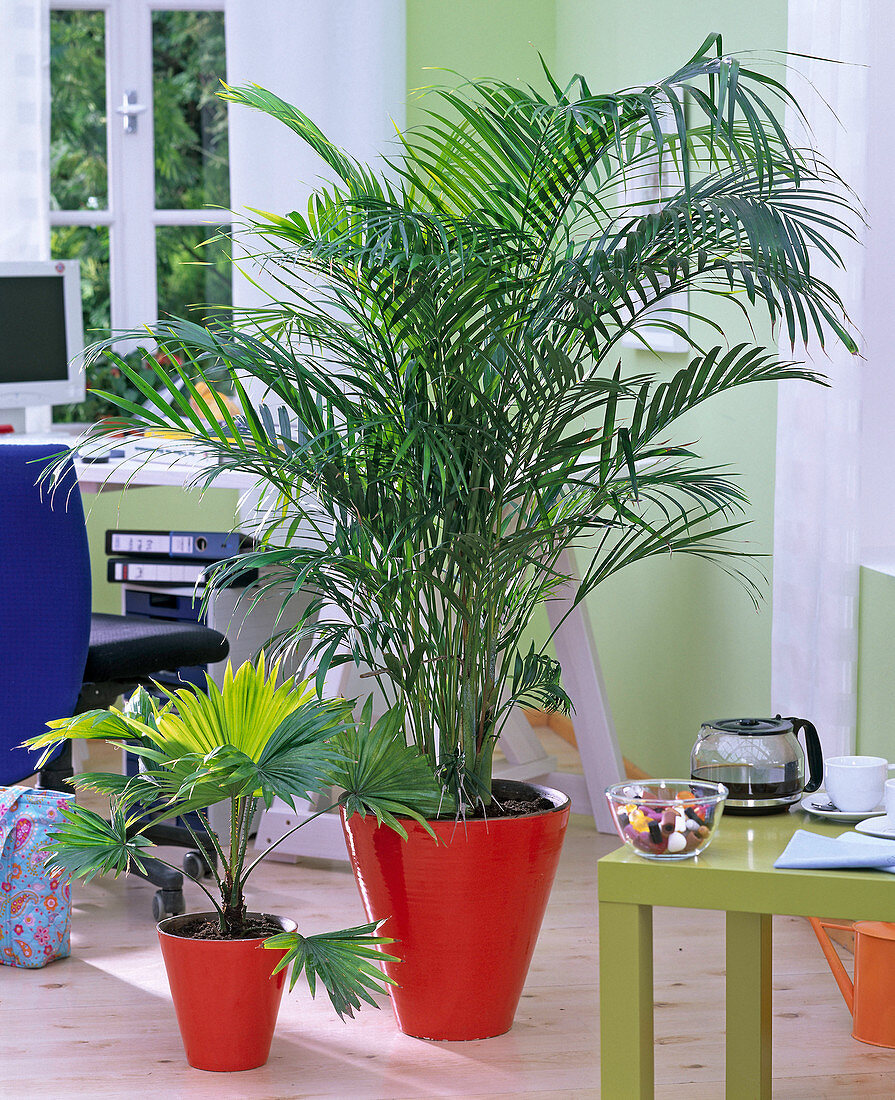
(436, 397)
(245, 739)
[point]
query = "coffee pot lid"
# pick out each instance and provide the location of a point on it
(752, 727)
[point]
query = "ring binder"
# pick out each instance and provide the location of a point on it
(199, 545)
(167, 572)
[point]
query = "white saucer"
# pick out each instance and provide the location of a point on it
(818, 802)
(875, 827)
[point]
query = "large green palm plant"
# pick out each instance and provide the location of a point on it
(437, 396)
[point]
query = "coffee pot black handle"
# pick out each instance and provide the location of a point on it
(815, 754)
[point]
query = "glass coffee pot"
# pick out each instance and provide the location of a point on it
(759, 760)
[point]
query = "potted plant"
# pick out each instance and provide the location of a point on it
(247, 739)
(438, 393)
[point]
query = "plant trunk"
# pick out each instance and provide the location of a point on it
(233, 917)
(483, 769)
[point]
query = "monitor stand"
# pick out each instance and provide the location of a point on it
(34, 419)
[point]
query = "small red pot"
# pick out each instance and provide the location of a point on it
(224, 996)
(467, 911)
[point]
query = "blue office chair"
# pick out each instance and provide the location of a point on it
(56, 659)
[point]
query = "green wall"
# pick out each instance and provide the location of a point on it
(477, 38)
(680, 641)
(876, 685)
(616, 45)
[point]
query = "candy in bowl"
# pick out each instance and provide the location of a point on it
(666, 818)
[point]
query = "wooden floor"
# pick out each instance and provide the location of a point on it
(100, 1024)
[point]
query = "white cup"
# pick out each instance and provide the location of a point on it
(890, 803)
(856, 784)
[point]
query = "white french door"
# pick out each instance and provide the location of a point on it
(139, 225)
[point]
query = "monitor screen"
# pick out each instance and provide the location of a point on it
(41, 333)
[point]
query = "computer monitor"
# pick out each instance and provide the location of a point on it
(41, 333)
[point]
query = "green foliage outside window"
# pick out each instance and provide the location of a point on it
(190, 120)
(78, 160)
(105, 375)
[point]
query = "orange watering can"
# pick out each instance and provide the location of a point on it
(869, 997)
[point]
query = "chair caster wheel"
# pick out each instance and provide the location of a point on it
(196, 865)
(167, 903)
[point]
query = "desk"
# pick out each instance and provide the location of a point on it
(151, 468)
(139, 468)
(736, 875)
(574, 644)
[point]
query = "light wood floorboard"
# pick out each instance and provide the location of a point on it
(100, 1024)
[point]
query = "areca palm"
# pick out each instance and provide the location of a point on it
(438, 390)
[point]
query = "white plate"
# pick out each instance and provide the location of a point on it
(875, 827)
(818, 802)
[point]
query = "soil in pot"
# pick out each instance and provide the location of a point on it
(527, 800)
(200, 927)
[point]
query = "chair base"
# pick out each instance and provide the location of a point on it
(55, 776)
(197, 862)
(101, 696)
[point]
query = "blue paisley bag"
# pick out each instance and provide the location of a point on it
(35, 906)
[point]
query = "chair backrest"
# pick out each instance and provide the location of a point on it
(44, 601)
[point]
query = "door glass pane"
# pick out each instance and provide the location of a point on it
(91, 247)
(194, 272)
(191, 166)
(78, 158)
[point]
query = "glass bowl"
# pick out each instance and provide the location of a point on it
(666, 818)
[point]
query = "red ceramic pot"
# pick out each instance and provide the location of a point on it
(224, 996)
(467, 911)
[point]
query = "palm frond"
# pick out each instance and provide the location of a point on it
(346, 963)
(381, 774)
(85, 844)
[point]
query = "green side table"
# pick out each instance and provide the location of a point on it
(735, 874)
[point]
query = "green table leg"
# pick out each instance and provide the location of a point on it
(748, 1006)
(626, 1001)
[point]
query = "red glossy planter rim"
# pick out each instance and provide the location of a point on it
(225, 999)
(466, 912)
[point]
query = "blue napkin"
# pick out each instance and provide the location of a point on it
(816, 852)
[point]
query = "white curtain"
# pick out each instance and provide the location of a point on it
(24, 131)
(343, 64)
(816, 528)
(25, 148)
